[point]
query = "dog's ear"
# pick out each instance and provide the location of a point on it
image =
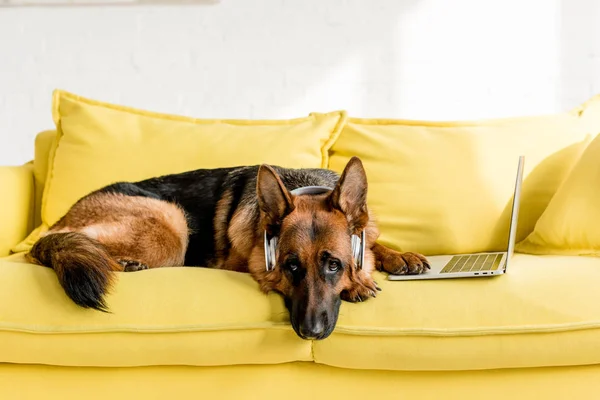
(274, 200)
(350, 195)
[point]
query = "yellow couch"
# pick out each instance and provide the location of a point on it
(200, 333)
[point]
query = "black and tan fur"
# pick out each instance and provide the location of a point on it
(216, 218)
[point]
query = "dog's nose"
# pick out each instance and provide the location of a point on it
(312, 328)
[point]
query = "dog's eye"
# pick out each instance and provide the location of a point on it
(334, 265)
(293, 267)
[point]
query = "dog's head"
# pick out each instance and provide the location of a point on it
(314, 260)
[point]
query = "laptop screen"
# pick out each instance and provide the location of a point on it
(512, 233)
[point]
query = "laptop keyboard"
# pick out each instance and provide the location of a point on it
(475, 262)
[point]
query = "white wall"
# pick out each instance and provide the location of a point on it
(418, 59)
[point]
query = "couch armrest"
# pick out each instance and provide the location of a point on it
(16, 205)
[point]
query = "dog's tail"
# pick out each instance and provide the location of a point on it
(82, 264)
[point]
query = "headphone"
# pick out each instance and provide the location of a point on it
(358, 243)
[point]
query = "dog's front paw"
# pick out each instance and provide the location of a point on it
(132, 266)
(361, 291)
(397, 263)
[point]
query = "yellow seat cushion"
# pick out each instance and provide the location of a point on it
(544, 312)
(170, 316)
(446, 187)
(571, 223)
(530, 317)
(99, 143)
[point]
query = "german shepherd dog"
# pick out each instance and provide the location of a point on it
(218, 218)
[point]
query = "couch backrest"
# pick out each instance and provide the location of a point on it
(43, 144)
(434, 187)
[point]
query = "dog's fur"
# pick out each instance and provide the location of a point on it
(216, 218)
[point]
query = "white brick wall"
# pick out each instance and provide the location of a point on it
(421, 59)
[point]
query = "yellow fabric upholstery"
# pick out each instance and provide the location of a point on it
(198, 316)
(43, 145)
(132, 145)
(193, 316)
(571, 223)
(543, 312)
(16, 205)
(294, 381)
(446, 187)
(531, 333)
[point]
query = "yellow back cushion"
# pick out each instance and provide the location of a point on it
(99, 143)
(43, 145)
(446, 187)
(571, 223)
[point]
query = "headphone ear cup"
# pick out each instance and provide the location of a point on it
(267, 253)
(355, 249)
(272, 248)
(363, 246)
(270, 252)
(358, 249)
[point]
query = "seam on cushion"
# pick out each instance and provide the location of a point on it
(137, 329)
(333, 137)
(526, 246)
(526, 329)
(356, 331)
(181, 118)
(457, 123)
(51, 158)
(56, 94)
(30, 223)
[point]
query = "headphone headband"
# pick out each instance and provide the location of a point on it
(311, 190)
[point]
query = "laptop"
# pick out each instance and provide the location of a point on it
(476, 264)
